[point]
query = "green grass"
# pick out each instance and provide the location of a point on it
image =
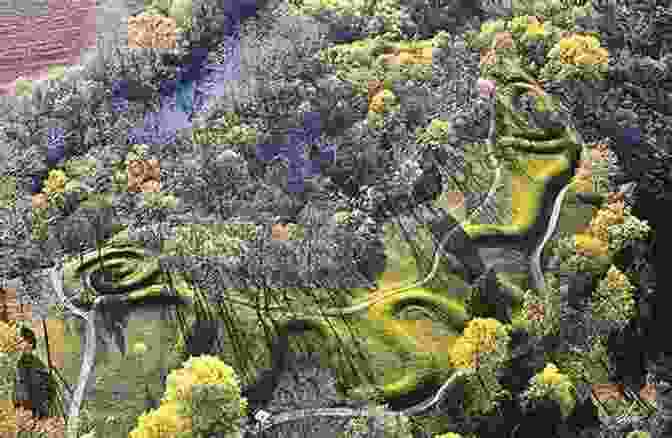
(573, 217)
(7, 191)
(120, 381)
(119, 387)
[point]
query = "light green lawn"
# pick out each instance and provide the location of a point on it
(119, 382)
(391, 357)
(120, 389)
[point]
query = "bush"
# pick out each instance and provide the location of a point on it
(449, 435)
(391, 427)
(577, 259)
(541, 314)
(163, 422)
(203, 397)
(611, 215)
(613, 299)
(632, 228)
(483, 347)
(423, 19)
(553, 384)
(215, 408)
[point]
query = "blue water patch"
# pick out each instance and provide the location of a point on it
(184, 96)
(196, 82)
(120, 96)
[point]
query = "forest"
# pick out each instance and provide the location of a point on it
(363, 218)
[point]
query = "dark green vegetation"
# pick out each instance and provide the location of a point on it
(368, 155)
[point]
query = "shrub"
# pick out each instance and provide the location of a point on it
(438, 132)
(391, 427)
(7, 191)
(589, 245)
(605, 217)
(9, 338)
(215, 408)
(203, 369)
(574, 260)
(629, 230)
(552, 384)
(483, 347)
(21, 421)
(576, 57)
(613, 299)
(387, 10)
(56, 182)
(482, 337)
(203, 397)
(382, 101)
(163, 422)
(449, 435)
(24, 87)
(181, 11)
(541, 314)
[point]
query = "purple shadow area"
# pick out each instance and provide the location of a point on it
(120, 96)
(37, 184)
(633, 136)
(294, 152)
(55, 146)
(196, 82)
(55, 153)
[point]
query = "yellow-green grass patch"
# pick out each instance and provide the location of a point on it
(527, 191)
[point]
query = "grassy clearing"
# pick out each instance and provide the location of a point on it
(526, 193)
(118, 397)
(392, 347)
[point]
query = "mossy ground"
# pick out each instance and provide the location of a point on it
(119, 382)
(392, 347)
(527, 190)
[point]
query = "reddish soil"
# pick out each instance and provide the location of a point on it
(609, 391)
(29, 44)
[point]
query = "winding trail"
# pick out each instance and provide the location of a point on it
(456, 377)
(416, 409)
(489, 200)
(438, 253)
(56, 275)
(443, 391)
(285, 417)
(535, 262)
